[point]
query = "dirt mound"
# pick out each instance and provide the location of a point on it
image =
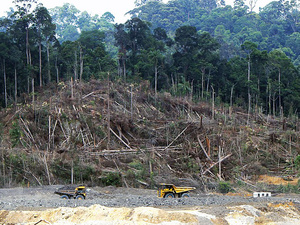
(97, 214)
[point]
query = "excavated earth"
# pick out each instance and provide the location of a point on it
(120, 206)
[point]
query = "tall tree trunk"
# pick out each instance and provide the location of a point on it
(213, 103)
(75, 66)
(56, 68)
(208, 81)
(48, 62)
(274, 104)
(269, 94)
(16, 86)
(40, 63)
(33, 103)
(124, 68)
(81, 63)
(108, 112)
(231, 102)
(155, 82)
(202, 82)
(258, 92)
(27, 46)
(5, 86)
(279, 92)
(249, 94)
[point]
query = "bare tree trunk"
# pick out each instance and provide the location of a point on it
(258, 92)
(124, 69)
(131, 102)
(202, 82)
(81, 63)
(48, 62)
(16, 87)
(279, 92)
(75, 66)
(231, 102)
(213, 103)
(72, 89)
(40, 63)
(5, 86)
(27, 46)
(155, 82)
(249, 94)
(56, 68)
(207, 85)
(274, 104)
(220, 166)
(108, 112)
(269, 97)
(32, 84)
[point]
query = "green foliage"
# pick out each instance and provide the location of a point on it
(15, 134)
(136, 165)
(140, 170)
(289, 188)
(297, 162)
(112, 179)
(224, 187)
(82, 173)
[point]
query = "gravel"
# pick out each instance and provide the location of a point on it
(43, 198)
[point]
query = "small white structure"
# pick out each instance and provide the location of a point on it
(261, 194)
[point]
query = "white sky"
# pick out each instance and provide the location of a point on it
(117, 7)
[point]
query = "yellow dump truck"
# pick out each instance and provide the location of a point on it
(71, 191)
(171, 191)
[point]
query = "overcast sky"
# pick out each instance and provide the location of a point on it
(117, 7)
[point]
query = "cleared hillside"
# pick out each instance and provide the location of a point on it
(64, 132)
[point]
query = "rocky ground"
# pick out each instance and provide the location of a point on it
(44, 197)
(141, 206)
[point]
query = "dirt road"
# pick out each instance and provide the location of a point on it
(142, 203)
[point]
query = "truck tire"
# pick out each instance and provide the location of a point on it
(79, 197)
(65, 197)
(185, 195)
(169, 195)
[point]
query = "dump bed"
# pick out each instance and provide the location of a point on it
(183, 189)
(72, 191)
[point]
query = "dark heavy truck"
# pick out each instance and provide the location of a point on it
(71, 191)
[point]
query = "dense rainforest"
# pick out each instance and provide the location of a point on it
(186, 47)
(169, 65)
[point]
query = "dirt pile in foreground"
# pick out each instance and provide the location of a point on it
(242, 214)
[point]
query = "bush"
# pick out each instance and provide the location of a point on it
(224, 187)
(15, 134)
(297, 162)
(112, 179)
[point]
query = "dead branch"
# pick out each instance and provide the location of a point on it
(242, 180)
(222, 159)
(12, 117)
(202, 147)
(177, 137)
(88, 95)
(120, 139)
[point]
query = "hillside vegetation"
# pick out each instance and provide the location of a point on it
(114, 133)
